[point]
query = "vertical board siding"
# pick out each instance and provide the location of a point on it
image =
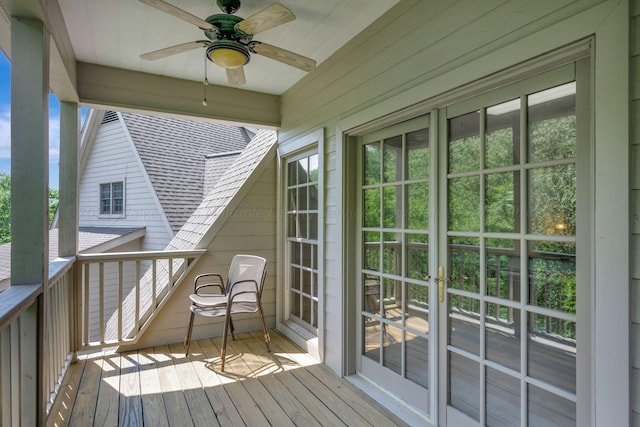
(634, 156)
(250, 229)
(113, 158)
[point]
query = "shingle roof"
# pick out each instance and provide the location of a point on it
(173, 153)
(88, 238)
(215, 166)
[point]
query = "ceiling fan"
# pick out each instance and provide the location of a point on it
(229, 42)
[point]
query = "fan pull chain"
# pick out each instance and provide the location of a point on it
(205, 82)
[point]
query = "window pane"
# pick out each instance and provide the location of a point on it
(417, 359)
(417, 255)
(503, 399)
(551, 351)
(292, 173)
(392, 206)
(313, 168)
(371, 334)
(417, 311)
(418, 206)
(502, 202)
(303, 170)
(552, 277)
(552, 200)
(464, 204)
(392, 350)
(105, 198)
(392, 155)
(392, 297)
(464, 385)
(302, 198)
(464, 263)
(371, 207)
(313, 197)
(371, 293)
(547, 409)
(464, 325)
(552, 123)
(464, 143)
(418, 154)
(371, 154)
(502, 335)
(371, 258)
(502, 136)
(503, 268)
(392, 257)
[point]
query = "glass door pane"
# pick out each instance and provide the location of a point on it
(395, 188)
(510, 249)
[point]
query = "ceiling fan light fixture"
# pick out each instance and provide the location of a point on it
(228, 54)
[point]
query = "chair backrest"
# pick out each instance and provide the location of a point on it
(247, 267)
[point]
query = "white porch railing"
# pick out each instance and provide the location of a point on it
(118, 293)
(43, 327)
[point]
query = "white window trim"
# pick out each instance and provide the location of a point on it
(124, 199)
(304, 145)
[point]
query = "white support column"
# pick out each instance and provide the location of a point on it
(29, 203)
(68, 204)
(29, 151)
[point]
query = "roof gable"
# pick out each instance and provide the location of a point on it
(173, 153)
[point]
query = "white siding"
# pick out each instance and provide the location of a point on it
(423, 49)
(113, 158)
(250, 229)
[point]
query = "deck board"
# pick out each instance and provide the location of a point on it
(161, 386)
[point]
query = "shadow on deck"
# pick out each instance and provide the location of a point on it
(160, 386)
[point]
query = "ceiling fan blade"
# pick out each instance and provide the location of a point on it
(284, 56)
(267, 18)
(235, 76)
(171, 50)
(178, 13)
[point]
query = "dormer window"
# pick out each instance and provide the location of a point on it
(112, 198)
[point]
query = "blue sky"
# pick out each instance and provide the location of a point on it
(5, 126)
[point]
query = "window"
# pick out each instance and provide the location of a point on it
(302, 239)
(112, 198)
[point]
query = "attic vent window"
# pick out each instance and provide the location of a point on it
(112, 198)
(109, 116)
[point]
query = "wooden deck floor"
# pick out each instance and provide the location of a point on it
(161, 387)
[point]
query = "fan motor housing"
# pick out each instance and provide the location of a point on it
(228, 53)
(224, 27)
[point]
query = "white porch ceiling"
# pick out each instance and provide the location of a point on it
(114, 33)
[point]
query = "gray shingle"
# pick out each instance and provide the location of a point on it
(173, 153)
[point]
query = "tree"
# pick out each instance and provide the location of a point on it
(5, 207)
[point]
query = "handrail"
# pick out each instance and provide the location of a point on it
(15, 300)
(115, 256)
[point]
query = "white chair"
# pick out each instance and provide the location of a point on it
(241, 294)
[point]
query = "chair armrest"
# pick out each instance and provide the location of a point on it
(220, 284)
(243, 289)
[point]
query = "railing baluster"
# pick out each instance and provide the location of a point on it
(85, 326)
(153, 284)
(101, 300)
(120, 299)
(137, 315)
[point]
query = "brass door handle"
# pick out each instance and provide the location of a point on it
(440, 280)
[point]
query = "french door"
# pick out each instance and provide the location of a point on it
(470, 280)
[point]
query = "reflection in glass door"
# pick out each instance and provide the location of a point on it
(510, 336)
(394, 268)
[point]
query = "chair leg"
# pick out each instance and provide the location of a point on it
(233, 335)
(265, 332)
(223, 351)
(187, 338)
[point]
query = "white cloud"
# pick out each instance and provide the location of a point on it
(5, 137)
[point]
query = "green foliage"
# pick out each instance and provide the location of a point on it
(5, 208)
